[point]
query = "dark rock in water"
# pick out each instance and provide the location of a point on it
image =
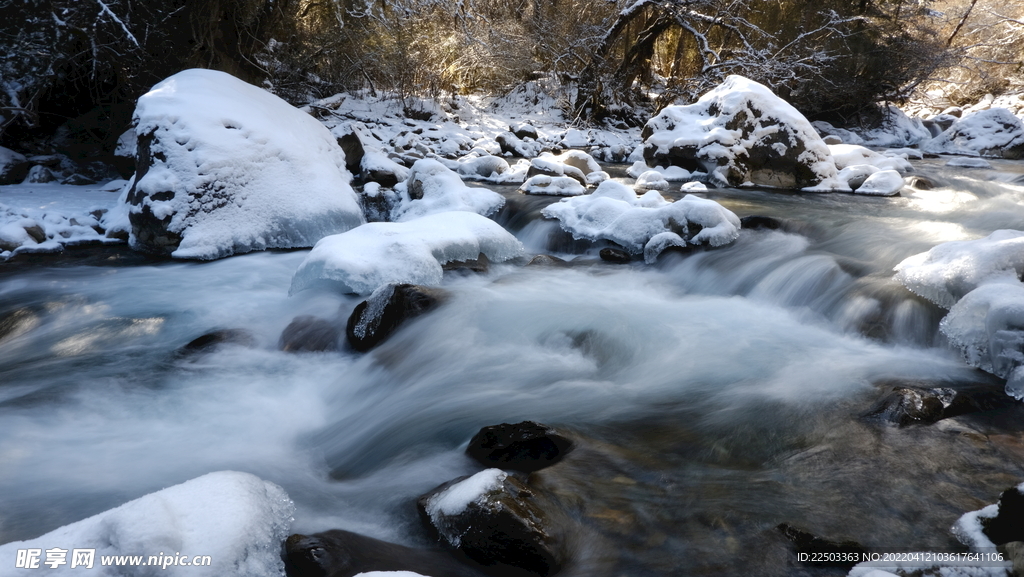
(615, 255)
(343, 554)
(1008, 524)
(214, 339)
(524, 130)
(906, 406)
(526, 446)
(911, 405)
(808, 543)
(757, 222)
(480, 264)
(309, 333)
(352, 146)
(501, 524)
(567, 169)
(546, 260)
(922, 183)
(380, 315)
(381, 176)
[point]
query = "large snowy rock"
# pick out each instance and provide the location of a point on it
(614, 212)
(236, 519)
(995, 132)
(224, 167)
(379, 253)
(893, 129)
(740, 133)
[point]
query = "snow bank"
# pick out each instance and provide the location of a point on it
(739, 133)
(237, 519)
(896, 129)
(225, 167)
(949, 271)
(379, 253)
(433, 188)
(45, 218)
(614, 212)
(995, 132)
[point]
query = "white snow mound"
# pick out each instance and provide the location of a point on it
(239, 520)
(614, 212)
(949, 271)
(232, 168)
(432, 188)
(379, 253)
(995, 132)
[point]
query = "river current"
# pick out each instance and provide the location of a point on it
(720, 392)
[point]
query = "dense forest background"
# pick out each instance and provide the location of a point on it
(77, 66)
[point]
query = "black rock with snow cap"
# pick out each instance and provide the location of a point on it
(380, 315)
(525, 446)
(1008, 525)
(495, 519)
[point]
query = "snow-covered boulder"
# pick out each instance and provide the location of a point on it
(485, 167)
(947, 272)
(548, 164)
(846, 155)
(379, 253)
(513, 145)
(614, 212)
(740, 133)
(552, 186)
(968, 162)
(219, 525)
(13, 166)
(224, 167)
(995, 132)
(882, 183)
(651, 180)
(669, 173)
(432, 187)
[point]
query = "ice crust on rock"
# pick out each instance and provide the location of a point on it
(379, 253)
(949, 271)
(986, 325)
(740, 132)
(432, 188)
(239, 520)
(995, 132)
(455, 499)
(614, 212)
(226, 167)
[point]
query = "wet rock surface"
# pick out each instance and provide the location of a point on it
(915, 403)
(376, 318)
(525, 446)
(615, 255)
(340, 553)
(807, 543)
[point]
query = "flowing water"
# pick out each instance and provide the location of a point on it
(718, 393)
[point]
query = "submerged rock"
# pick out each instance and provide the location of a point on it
(310, 334)
(340, 553)
(808, 543)
(380, 315)
(495, 520)
(615, 255)
(913, 404)
(547, 260)
(525, 446)
(214, 339)
(758, 222)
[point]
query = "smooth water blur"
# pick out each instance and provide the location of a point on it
(720, 389)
